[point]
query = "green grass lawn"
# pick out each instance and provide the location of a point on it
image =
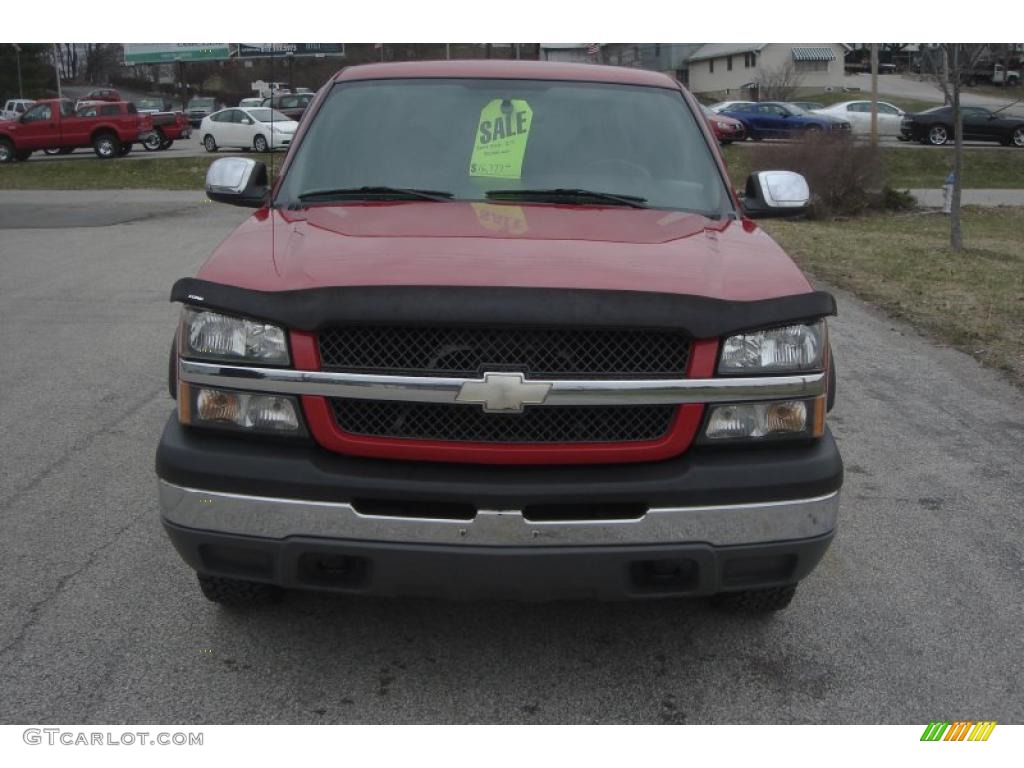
(119, 173)
(913, 168)
(973, 300)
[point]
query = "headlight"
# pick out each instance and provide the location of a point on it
(783, 419)
(213, 336)
(776, 350)
(238, 411)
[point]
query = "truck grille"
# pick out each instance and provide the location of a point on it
(469, 423)
(538, 352)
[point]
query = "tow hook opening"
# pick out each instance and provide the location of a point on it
(341, 571)
(666, 575)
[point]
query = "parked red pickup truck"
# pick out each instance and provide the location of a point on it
(516, 336)
(110, 129)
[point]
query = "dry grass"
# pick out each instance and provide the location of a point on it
(973, 300)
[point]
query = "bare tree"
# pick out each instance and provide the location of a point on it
(780, 83)
(957, 61)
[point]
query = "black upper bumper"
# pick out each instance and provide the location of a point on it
(302, 470)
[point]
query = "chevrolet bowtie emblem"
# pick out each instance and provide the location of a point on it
(504, 392)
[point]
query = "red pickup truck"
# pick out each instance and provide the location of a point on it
(516, 336)
(110, 129)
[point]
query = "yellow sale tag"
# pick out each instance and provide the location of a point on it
(501, 137)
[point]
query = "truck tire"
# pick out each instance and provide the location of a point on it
(6, 151)
(52, 151)
(106, 146)
(209, 143)
(766, 600)
(260, 143)
(153, 142)
(166, 143)
(235, 593)
(126, 147)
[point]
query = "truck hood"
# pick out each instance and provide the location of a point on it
(485, 244)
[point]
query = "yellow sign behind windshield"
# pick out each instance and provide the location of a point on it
(501, 137)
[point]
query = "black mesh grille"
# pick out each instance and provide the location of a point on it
(469, 423)
(540, 352)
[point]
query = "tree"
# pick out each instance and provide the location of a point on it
(957, 61)
(37, 76)
(780, 83)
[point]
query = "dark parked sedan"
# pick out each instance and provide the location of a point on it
(292, 104)
(782, 120)
(935, 126)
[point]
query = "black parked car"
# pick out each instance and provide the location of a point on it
(935, 126)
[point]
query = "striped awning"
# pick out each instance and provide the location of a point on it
(813, 54)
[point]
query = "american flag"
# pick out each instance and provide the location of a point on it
(593, 49)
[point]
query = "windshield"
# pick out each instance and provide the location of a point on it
(198, 103)
(468, 137)
(265, 115)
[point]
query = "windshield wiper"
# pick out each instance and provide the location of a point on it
(375, 193)
(571, 194)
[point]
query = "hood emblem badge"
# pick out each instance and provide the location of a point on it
(504, 392)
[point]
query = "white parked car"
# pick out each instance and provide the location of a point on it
(858, 114)
(15, 108)
(259, 128)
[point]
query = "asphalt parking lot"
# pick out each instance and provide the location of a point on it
(914, 615)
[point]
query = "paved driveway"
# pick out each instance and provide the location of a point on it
(915, 613)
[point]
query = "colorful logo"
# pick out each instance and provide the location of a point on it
(960, 730)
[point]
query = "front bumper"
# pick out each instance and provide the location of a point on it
(295, 515)
(281, 140)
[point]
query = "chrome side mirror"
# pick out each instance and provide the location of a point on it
(776, 193)
(237, 181)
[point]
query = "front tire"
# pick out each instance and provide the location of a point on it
(153, 142)
(753, 601)
(260, 143)
(106, 146)
(236, 593)
(1017, 139)
(210, 143)
(6, 151)
(938, 135)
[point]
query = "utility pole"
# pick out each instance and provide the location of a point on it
(874, 94)
(56, 69)
(17, 58)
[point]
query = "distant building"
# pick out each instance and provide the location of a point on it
(670, 58)
(733, 69)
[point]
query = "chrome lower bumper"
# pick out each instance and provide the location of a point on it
(716, 525)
